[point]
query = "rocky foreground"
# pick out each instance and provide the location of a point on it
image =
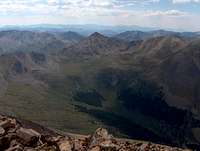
(19, 135)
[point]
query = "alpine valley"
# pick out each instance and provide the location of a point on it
(142, 85)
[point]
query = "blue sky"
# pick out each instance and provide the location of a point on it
(176, 14)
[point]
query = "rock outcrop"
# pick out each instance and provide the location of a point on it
(18, 135)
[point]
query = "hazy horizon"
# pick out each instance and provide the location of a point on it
(163, 14)
(98, 27)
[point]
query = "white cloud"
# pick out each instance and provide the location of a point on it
(185, 1)
(172, 13)
(113, 12)
(40, 7)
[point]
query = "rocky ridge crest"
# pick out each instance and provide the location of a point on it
(19, 135)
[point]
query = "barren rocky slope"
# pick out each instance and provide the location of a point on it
(19, 135)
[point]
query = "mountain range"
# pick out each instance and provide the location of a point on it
(12, 41)
(141, 35)
(141, 85)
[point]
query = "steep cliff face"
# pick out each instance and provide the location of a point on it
(20, 135)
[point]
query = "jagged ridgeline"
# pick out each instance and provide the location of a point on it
(22, 135)
(138, 85)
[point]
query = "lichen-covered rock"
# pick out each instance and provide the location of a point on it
(17, 147)
(2, 131)
(96, 148)
(29, 136)
(6, 124)
(64, 145)
(80, 144)
(103, 139)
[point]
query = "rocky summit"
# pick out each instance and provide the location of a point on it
(21, 135)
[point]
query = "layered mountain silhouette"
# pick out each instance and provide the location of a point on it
(143, 86)
(69, 36)
(140, 35)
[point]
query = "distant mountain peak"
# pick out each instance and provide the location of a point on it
(72, 33)
(96, 35)
(97, 44)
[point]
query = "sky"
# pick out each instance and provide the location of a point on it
(175, 14)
